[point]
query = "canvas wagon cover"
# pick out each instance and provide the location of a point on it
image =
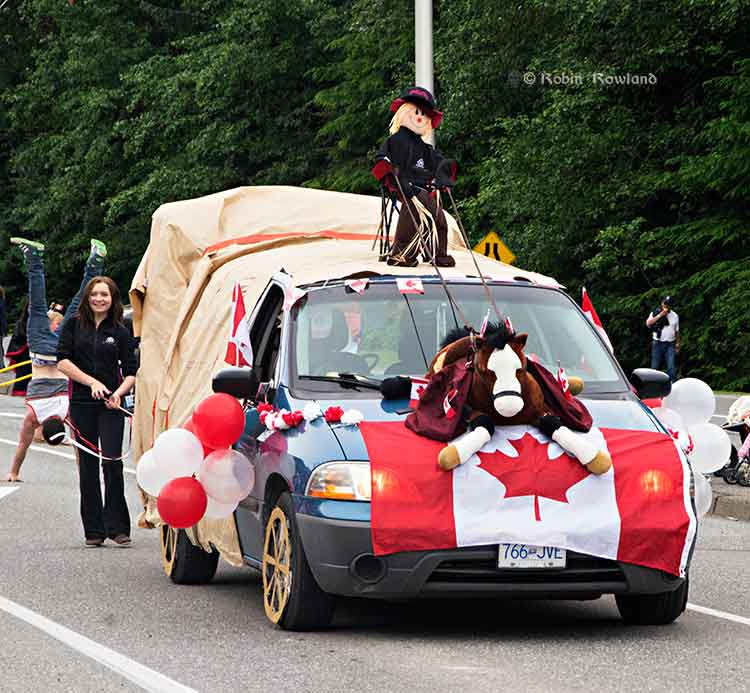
(181, 292)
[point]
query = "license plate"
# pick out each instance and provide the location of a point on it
(529, 556)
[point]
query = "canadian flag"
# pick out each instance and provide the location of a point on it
(239, 349)
(588, 309)
(523, 488)
(418, 386)
(407, 285)
(562, 380)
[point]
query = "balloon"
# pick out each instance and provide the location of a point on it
(177, 453)
(219, 511)
(227, 476)
(219, 421)
(182, 502)
(151, 477)
(692, 399)
(711, 447)
(703, 494)
(670, 418)
(189, 425)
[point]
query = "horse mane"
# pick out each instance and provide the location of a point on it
(496, 335)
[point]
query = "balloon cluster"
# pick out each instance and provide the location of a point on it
(686, 413)
(201, 448)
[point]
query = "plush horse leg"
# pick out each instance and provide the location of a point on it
(461, 450)
(481, 429)
(595, 460)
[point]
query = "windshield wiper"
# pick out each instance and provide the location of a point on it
(350, 380)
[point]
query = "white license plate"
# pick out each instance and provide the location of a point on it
(529, 556)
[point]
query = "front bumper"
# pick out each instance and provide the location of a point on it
(339, 552)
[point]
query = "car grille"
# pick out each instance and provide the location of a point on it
(580, 570)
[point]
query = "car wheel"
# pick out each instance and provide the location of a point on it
(291, 597)
(184, 563)
(653, 609)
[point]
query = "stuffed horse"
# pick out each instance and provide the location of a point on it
(479, 382)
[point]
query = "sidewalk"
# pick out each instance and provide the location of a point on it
(730, 501)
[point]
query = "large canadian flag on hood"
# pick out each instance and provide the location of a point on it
(521, 487)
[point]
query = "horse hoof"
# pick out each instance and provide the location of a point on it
(601, 464)
(448, 458)
(575, 384)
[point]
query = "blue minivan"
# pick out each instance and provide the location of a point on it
(306, 524)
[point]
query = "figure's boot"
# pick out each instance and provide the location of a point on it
(442, 259)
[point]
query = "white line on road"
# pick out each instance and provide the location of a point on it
(6, 491)
(66, 455)
(13, 416)
(719, 614)
(141, 675)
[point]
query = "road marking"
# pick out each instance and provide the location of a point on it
(66, 455)
(13, 416)
(7, 490)
(719, 614)
(141, 675)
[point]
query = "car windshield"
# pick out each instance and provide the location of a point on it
(382, 333)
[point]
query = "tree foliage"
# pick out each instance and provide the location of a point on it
(107, 110)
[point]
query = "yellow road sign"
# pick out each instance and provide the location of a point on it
(493, 247)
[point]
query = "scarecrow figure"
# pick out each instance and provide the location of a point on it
(414, 172)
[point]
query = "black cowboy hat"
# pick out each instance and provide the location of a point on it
(422, 98)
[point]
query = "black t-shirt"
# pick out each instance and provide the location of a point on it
(103, 353)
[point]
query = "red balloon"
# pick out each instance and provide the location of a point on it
(190, 426)
(182, 502)
(219, 421)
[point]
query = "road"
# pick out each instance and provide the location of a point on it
(129, 628)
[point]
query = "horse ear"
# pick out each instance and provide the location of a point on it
(520, 339)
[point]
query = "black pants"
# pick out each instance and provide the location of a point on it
(406, 230)
(102, 427)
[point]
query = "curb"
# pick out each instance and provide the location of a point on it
(733, 506)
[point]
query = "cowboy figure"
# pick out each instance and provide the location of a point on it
(414, 171)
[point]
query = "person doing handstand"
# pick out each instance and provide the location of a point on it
(47, 393)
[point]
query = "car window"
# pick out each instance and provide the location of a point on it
(265, 333)
(381, 332)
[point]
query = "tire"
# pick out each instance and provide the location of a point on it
(730, 475)
(653, 609)
(291, 596)
(184, 563)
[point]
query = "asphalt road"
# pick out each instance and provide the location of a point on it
(127, 623)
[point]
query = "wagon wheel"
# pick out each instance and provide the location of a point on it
(277, 572)
(168, 548)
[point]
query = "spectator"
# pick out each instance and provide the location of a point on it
(3, 326)
(18, 352)
(665, 327)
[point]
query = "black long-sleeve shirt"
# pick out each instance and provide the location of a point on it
(414, 161)
(103, 353)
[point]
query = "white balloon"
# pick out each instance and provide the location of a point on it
(703, 494)
(227, 476)
(178, 452)
(711, 447)
(670, 418)
(692, 399)
(150, 476)
(219, 511)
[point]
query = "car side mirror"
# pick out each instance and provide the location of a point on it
(650, 383)
(238, 382)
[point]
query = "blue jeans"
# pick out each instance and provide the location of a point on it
(663, 351)
(42, 340)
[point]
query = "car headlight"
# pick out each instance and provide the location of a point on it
(341, 481)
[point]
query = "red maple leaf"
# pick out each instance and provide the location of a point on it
(533, 473)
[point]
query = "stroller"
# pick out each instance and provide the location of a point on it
(737, 470)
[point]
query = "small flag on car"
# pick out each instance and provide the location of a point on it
(239, 349)
(588, 309)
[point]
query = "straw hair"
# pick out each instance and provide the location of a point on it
(401, 113)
